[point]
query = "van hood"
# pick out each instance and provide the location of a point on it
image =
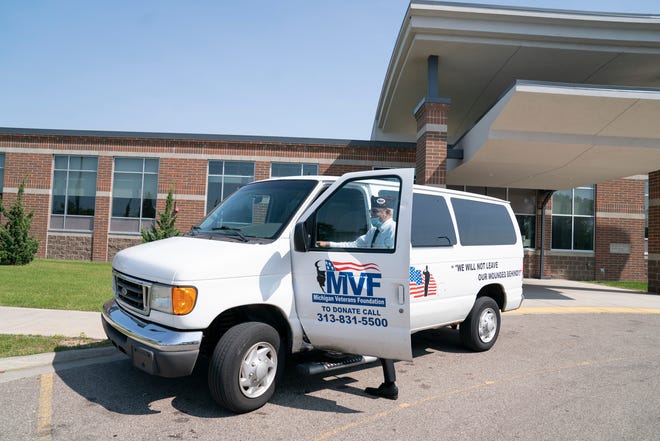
(188, 259)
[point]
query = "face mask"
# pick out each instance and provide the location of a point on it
(376, 222)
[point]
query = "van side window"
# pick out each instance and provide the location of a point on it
(431, 222)
(482, 223)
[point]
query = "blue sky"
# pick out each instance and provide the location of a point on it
(303, 68)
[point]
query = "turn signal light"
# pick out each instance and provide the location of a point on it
(183, 299)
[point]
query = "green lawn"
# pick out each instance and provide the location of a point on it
(18, 345)
(56, 284)
(639, 286)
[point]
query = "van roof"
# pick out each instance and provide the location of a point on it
(458, 193)
(424, 188)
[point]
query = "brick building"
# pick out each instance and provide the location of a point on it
(93, 192)
(555, 111)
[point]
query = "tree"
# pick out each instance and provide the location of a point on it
(164, 226)
(17, 247)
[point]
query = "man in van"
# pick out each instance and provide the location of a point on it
(380, 235)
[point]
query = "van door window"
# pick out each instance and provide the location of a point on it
(431, 222)
(360, 214)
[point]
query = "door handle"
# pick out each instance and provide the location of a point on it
(401, 293)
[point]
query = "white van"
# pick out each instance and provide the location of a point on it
(250, 285)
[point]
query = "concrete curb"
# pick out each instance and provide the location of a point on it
(12, 368)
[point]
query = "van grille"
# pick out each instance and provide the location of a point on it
(132, 293)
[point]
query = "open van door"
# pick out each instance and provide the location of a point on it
(351, 279)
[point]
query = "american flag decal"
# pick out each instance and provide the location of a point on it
(350, 266)
(419, 286)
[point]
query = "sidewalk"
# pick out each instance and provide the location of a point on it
(566, 296)
(31, 321)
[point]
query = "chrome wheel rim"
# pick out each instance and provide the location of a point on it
(487, 325)
(258, 369)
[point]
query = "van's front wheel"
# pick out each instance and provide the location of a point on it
(480, 329)
(244, 367)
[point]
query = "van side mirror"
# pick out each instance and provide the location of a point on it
(301, 239)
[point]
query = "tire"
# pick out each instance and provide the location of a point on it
(480, 329)
(245, 367)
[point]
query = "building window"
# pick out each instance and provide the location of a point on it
(2, 172)
(134, 193)
(224, 178)
(646, 214)
(573, 219)
(280, 169)
(523, 204)
(74, 193)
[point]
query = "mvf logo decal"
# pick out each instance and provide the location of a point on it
(339, 277)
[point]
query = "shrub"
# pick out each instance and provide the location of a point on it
(164, 226)
(17, 247)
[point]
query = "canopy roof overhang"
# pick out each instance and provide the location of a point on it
(556, 136)
(484, 50)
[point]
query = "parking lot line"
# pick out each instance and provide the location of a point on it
(45, 413)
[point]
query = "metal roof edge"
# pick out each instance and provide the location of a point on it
(202, 137)
(578, 86)
(536, 10)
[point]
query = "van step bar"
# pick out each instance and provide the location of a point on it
(317, 367)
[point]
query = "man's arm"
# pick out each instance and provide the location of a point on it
(363, 241)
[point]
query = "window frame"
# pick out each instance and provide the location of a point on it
(573, 217)
(2, 172)
(646, 216)
(2, 176)
(223, 196)
(66, 216)
(522, 215)
(302, 166)
(142, 222)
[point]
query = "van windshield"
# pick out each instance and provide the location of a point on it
(259, 210)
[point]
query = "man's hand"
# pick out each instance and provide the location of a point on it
(322, 244)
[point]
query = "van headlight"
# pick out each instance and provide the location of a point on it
(177, 300)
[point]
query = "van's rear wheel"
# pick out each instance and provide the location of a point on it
(244, 367)
(480, 329)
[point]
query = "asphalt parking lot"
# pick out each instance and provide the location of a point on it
(588, 371)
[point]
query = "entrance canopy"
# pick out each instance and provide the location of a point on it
(497, 65)
(555, 136)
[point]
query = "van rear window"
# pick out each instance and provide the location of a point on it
(482, 223)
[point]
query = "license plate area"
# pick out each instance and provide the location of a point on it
(143, 359)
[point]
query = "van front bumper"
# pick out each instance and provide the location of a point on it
(152, 348)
